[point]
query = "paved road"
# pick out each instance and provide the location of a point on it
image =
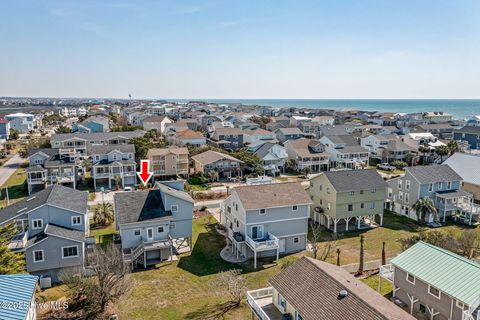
(9, 168)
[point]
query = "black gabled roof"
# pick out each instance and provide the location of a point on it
(139, 206)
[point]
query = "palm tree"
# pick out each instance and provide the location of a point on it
(424, 207)
(452, 146)
(442, 151)
(213, 176)
(307, 170)
(103, 214)
(362, 256)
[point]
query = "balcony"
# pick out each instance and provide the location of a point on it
(269, 243)
(18, 242)
(261, 303)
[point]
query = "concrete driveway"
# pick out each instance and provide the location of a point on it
(9, 168)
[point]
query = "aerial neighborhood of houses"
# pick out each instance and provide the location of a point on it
(310, 213)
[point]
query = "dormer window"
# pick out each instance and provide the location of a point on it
(263, 211)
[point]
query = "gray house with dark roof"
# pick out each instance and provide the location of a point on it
(51, 166)
(441, 184)
(52, 227)
(113, 164)
(154, 224)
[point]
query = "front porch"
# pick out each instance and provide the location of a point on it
(118, 175)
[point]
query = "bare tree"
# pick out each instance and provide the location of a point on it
(321, 251)
(104, 281)
(469, 243)
(233, 283)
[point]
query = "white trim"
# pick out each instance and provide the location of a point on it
(76, 256)
(33, 224)
(299, 204)
(152, 237)
(439, 292)
(260, 212)
(273, 221)
(174, 206)
(256, 226)
(294, 208)
(414, 278)
(459, 304)
(296, 238)
(290, 235)
(76, 224)
(43, 256)
(163, 229)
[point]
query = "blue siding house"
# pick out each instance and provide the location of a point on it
(470, 135)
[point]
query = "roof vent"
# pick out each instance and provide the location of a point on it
(342, 295)
(30, 199)
(22, 210)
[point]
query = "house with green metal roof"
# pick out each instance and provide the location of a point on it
(436, 282)
(17, 297)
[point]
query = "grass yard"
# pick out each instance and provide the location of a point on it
(17, 187)
(394, 228)
(372, 282)
(103, 234)
(183, 289)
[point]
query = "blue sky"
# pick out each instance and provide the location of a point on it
(241, 49)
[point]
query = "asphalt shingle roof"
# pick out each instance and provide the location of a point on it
(351, 180)
(312, 287)
(433, 173)
(454, 275)
(272, 195)
(62, 232)
(97, 135)
(56, 195)
(138, 206)
(105, 149)
(212, 156)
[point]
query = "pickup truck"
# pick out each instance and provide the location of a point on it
(386, 166)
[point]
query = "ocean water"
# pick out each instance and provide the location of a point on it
(460, 109)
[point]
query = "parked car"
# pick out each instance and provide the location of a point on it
(128, 189)
(386, 166)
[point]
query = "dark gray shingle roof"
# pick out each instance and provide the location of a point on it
(139, 206)
(105, 149)
(62, 232)
(351, 180)
(56, 195)
(433, 173)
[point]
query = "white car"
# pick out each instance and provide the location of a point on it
(128, 189)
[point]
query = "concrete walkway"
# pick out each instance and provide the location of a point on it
(9, 168)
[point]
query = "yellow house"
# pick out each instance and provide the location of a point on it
(347, 200)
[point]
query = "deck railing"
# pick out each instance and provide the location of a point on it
(271, 243)
(259, 294)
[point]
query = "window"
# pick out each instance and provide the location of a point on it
(257, 232)
(350, 207)
(136, 232)
(263, 211)
(434, 291)
(373, 190)
(298, 316)
(439, 185)
(430, 187)
(320, 187)
(97, 157)
(399, 184)
(328, 206)
(400, 195)
(407, 185)
(130, 156)
(407, 197)
(328, 190)
(238, 224)
(38, 256)
(236, 207)
(114, 156)
(76, 220)
(160, 229)
(390, 192)
(371, 205)
(362, 205)
(69, 252)
(282, 302)
(172, 225)
(37, 224)
(174, 208)
(294, 208)
(296, 240)
(460, 304)
(410, 278)
(352, 193)
(229, 209)
(449, 185)
(361, 191)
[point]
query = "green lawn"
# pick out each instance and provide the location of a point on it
(183, 289)
(394, 228)
(372, 282)
(17, 187)
(102, 234)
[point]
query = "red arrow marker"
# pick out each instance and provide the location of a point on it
(145, 174)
